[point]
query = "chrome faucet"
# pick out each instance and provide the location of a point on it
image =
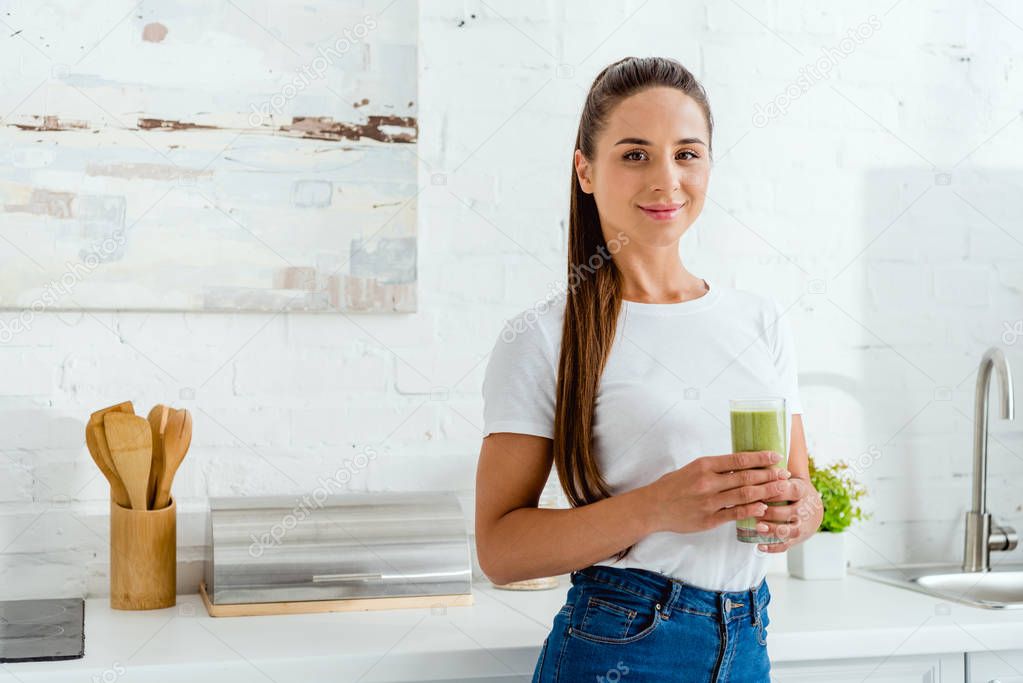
(982, 534)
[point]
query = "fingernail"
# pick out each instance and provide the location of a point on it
(761, 528)
(785, 474)
(762, 548)
(775, 457)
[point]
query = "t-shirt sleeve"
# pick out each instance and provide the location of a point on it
(519, 383)
(783, 348)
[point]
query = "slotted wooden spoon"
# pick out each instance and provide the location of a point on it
(176, 439)
(157, 423)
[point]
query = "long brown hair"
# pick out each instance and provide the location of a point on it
(593, 301)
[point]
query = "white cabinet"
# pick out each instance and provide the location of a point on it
(944, 668)
(1005, 666)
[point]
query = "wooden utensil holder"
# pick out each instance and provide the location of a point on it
(143, 557)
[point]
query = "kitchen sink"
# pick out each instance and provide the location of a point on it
(1001, 587)
(978, 580)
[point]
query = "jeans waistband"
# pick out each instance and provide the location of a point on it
(674, 593)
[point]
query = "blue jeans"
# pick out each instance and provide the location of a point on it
(635, 625)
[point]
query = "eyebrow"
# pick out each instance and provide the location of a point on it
(641, 141)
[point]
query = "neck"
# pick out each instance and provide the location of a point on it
(657, 277)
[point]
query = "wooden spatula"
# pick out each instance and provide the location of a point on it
(176, 439)
(131, 447)
(96, 440)
(157, 423)
(117, 490)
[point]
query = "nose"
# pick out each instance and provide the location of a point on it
(665, 176)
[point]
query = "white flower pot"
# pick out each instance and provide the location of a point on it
(822, 556)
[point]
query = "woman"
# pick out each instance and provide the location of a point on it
(623, 384)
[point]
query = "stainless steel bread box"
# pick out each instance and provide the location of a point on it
(343, 547)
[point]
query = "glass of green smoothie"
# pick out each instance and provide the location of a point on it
(758, 424)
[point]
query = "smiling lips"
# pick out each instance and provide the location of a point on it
(661, 212)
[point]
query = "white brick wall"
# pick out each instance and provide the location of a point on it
(887, 351)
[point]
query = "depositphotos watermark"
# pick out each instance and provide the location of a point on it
(110, 674)
(312, 71)
(313, 500)
(614, 674)
(864, 461)
(578, 274)
(1012, 332)
(811, 74)
(55, 290)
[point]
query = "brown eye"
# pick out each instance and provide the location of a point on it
(631, 155)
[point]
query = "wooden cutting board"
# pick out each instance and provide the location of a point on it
(253, 609)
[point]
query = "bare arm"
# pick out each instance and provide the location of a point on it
(798, 463)
(516, 540)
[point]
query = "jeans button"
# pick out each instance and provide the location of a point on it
(728, 604)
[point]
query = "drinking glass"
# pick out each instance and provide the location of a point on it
(758, 424)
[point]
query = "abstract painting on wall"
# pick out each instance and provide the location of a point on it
(215, 156)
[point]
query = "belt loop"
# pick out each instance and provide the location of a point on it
(672, 599)
(755, 608)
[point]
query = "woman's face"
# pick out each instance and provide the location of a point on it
(652, 154)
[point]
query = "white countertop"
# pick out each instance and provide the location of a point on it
(500, 634)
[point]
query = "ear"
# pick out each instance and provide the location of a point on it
(583, 172)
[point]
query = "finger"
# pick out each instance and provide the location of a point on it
(749, 494)
(781, 513)
(794, 488)
(774, 547)
(743, 460)
(785, 532)
(781, 498)
(728, 514)
(750, 477)
(804, 506)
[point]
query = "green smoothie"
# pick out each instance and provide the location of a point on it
(758, 425)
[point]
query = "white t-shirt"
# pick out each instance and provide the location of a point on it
(662, 401)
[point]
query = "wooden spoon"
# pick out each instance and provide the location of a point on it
(131, 446)
(96, 440)
(157, 423)
(176, 439)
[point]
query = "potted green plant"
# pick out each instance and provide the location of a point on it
(822, 556)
